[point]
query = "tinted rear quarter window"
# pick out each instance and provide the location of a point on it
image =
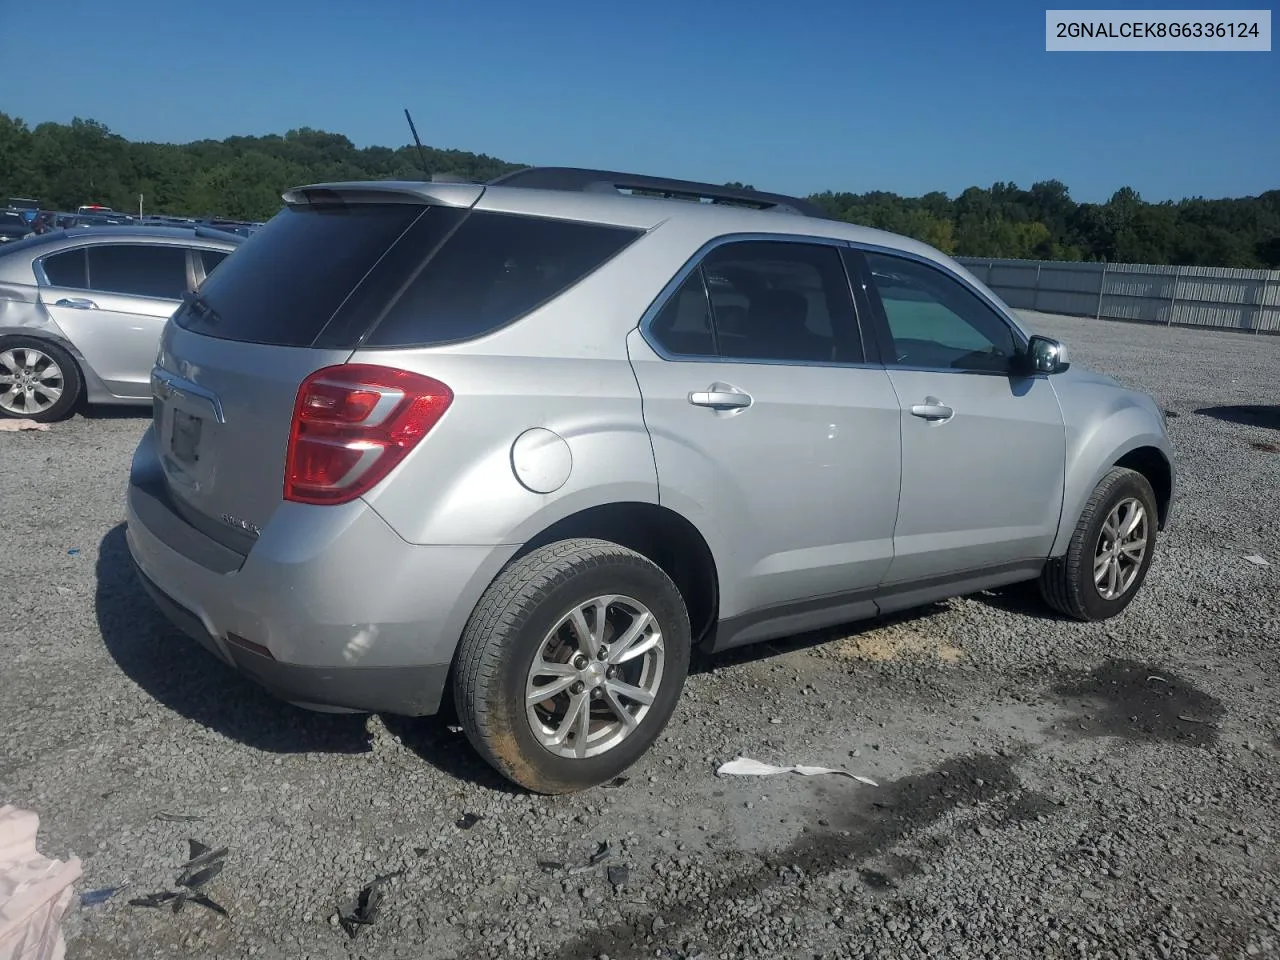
(211, 259)
(494, 269)
(67, 269)
(288, 279)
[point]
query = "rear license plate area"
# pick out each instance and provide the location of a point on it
(184, 436)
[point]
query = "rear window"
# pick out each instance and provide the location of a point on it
(288, 279)
(495, 269)
(417, 275)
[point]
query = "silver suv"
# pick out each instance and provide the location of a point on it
(521, 445)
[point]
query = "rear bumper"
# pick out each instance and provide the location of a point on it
(330, 609)
(410, 690)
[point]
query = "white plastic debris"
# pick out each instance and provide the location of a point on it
(34, 891)
(8, 425)
(746, 767)
(1258, 561)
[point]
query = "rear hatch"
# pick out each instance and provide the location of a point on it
(295, 297)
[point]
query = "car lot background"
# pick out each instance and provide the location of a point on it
(1045, 788)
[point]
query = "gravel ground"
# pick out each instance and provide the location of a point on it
(1045, 788)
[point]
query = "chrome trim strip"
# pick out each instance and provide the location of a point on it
(165, 385)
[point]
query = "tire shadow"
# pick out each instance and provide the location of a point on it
(187, 679)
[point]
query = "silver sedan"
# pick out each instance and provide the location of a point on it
(81, 312)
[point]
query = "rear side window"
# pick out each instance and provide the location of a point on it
(288, 279)
(495, 269)
(139, 270)
(211, 258)
(763, 301)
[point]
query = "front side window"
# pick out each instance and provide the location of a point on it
(764, 301)
(937, 322)
(138, 270)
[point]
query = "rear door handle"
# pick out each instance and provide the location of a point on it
(720, 397)
(76, 303)
(932, 409)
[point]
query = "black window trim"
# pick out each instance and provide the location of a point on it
(879, 321)
(870, 348)
(198, 275)
(42, 278)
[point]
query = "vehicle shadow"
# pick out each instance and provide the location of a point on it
(703, 662)
(189, 680)
(1020, 598)
(440, 742)
(98, 412)
(1249, 415)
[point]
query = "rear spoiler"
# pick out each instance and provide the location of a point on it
(386, 191)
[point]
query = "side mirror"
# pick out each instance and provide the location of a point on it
(1046, 355)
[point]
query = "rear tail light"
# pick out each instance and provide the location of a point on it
(352, 424)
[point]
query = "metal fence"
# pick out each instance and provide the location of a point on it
(1225, 298)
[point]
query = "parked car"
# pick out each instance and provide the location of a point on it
(13, 226)
(44, 221)
(81, 312)
(520, 446)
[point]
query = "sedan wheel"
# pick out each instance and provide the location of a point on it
(31, 382)
(38, 380)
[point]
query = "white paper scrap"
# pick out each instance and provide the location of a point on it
(13, 426)
(746, 767)
(1260, 561)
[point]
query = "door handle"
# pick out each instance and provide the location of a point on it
(77, 303)
(720, 397)
(932, 409)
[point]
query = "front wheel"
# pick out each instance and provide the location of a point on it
(572, 664)
(1110, 551)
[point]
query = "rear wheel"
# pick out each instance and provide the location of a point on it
(572, 664)
(1110, 551)
(38, 380)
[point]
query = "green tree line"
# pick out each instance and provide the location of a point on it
(66, 165)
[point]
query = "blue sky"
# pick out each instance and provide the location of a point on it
(795, 97)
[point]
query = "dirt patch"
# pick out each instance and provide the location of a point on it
(858, 832)
(897, 643)
(1265, 447)
(1140, 702)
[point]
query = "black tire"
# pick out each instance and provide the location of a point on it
(508, 629)
(72, 382)
(1067, 582)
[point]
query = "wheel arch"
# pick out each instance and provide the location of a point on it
(91, 386)
(1147, 453)
(658, 533)
(1152, 463)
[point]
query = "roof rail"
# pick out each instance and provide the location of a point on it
(214, 233)
(609, 181)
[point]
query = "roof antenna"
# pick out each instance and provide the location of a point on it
(422, 155)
